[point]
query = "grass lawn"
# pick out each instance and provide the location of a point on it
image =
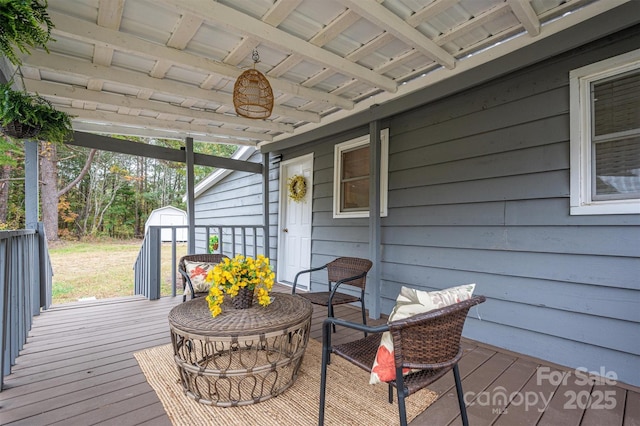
(102, 269)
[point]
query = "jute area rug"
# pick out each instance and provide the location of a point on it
(351, 400)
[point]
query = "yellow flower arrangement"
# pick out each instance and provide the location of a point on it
(229, 276)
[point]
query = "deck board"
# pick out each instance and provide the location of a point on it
(77, 368)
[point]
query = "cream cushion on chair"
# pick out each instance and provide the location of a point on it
(411, 302)
(197, 271)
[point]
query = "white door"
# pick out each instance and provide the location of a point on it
(294, 237)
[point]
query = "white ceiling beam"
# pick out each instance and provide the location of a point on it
(279, 11)
(65, 91)
(318, 77)
(550, 28)
(335, 28)
(430, 10)
(323, 37)
(110, 13)
(185, 29)
(274, 16)
(392, 23)
(78, 29)
(398, 60)
(285, 65)
(239, 22)
(526, 15)
(474, 23)
(109, 16)
(241, 51)
(143, 82)
(369, 48)
(151, 123)
(346, 87)
(111, 129)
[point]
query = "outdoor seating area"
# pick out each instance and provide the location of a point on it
(78, 368)
(446, 146)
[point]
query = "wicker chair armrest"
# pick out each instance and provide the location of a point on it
(306, 271)
(187, 279)
(327, 323)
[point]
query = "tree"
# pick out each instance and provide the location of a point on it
(5, 175)
(88, 192)
(50, 194)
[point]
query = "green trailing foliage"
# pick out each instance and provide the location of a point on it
(33, 111)
(23, 24)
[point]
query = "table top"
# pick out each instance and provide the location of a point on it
(286, 310)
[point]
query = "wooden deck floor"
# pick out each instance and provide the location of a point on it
(77, 368)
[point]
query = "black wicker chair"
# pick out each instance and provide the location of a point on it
(200, 258)
(427, 342)
(351, 271)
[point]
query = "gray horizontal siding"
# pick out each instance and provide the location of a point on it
(579, 354)
(479, 192)
(237, 200)
(611, 240)
(600, 301)
(609, 271)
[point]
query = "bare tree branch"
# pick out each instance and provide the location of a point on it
(83, 172)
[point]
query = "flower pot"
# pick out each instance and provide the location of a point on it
(243, 300)
(18, 130)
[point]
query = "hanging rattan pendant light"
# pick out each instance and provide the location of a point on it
(252, 94)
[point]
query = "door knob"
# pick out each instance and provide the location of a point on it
(285, 230)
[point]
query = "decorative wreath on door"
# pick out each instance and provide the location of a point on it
(297, 188)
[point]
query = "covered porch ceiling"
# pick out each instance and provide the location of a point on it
(166, 68)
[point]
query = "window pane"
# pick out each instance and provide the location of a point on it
(617, 104)
(355, 163)
(618, 169)
(355, 195)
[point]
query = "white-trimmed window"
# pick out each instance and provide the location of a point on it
(351, 177)
(605, 136)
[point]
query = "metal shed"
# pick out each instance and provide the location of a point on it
(168, 216)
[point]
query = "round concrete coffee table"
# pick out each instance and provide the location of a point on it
(243, 356)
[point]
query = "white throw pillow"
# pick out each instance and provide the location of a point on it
(409, 303)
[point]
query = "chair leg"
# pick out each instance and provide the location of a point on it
(326, 345)
(364, 315)
(463, 408)
(390, 394)
(401, 406)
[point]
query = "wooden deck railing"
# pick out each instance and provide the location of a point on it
(248, 240)
(25, 274)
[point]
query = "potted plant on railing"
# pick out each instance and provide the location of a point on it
(213, 243)
(23, 24)
(25, 115)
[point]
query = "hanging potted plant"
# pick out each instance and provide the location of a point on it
(23, 24)
(25, 115)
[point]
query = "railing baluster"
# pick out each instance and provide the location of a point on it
(23, 283)
(147, 274)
